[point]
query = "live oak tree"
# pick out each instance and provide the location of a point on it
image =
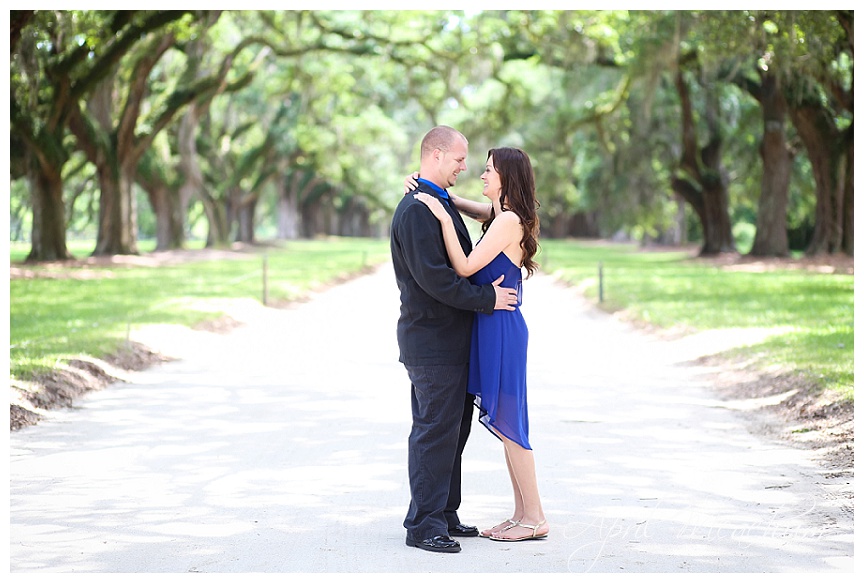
(176, 104)
(58, 58)
(749, 48)
(796, 65)
(116, 140)
(820, 90)
(38, 127)
(116, 147)
(702, 180)
(169, 171)
(253, 140)
(172, 175)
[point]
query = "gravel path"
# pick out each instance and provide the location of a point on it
(281, 447)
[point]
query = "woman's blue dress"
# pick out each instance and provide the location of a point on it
(499, 354)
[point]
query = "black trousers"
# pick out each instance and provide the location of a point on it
(441, 409)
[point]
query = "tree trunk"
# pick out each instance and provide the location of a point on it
(560, 224)
(583, 225)
(43, 159)
(169, 215)
(679, 230)
(245, 215)
(311, 212)
(164, 200)
(289, 215)
(118, 227)
(702, 185)
(826, 152)
(849, 203)
(189, 165)
(48, 236)
(288, 211)
(218, 226)
(117, 222)
(718, 225)
(354, 219)
(771, 238)
(121, 147)
(309, 203)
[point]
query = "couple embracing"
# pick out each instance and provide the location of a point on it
(461, 335)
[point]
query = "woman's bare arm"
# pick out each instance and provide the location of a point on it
(479, 211)
(504, 232)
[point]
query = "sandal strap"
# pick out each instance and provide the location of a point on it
(531, 526)
(509, 523)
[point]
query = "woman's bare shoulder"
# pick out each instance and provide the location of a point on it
(508, 218)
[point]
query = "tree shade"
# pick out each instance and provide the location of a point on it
(662, 126)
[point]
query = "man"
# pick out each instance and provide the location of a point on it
(434, 335)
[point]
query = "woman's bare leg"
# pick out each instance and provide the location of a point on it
(520, 464)
(518, 506)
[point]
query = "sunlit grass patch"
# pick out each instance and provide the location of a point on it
(62, 317)
(669, 289)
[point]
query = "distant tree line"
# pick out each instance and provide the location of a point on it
(732, 128)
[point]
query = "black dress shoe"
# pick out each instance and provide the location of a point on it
(436, 544)
(463, 530)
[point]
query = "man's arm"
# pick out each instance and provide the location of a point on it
(479, 211)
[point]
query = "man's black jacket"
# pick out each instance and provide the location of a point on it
(437, 305)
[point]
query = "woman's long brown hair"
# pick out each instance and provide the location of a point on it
(518, 195)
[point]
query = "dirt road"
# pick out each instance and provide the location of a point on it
(281, 447)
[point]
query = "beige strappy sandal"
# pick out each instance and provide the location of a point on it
(531, 536)
(509, 522)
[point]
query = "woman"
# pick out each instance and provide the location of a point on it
(499, 347)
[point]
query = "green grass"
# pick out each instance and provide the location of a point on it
(53, 320)
(84, 248)
(812, 313)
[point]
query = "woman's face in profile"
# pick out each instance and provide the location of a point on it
(491, 181)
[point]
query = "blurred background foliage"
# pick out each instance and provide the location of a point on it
(667, 127)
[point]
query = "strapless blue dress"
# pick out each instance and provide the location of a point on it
(499, 353)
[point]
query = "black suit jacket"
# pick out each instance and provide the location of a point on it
(438, 306)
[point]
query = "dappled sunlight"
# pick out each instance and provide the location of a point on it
(282, 447)
(708, 342)
(649, 463)
(756, 403)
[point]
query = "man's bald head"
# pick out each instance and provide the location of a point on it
(440, 138)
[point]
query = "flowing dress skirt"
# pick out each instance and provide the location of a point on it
(499, 354)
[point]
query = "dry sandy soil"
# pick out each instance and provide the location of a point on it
(794, 409)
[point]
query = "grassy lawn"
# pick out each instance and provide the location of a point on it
(83, 248)
(89, 310)
(54, 319)
(812, 313)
